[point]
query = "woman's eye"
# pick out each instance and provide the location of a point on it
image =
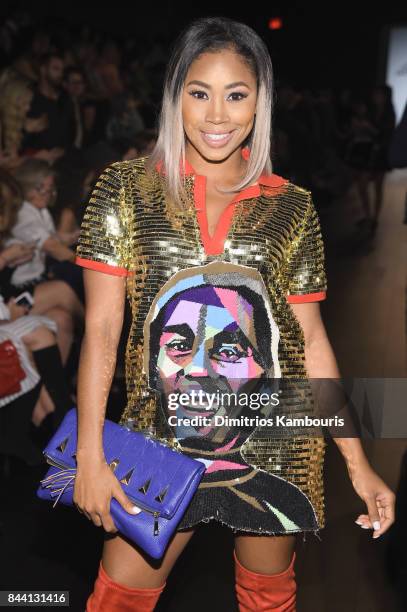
(235, 93)
(192, 93)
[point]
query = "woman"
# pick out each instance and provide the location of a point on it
(44, 389)
(207, 194)
(54, 297)
(15, 103)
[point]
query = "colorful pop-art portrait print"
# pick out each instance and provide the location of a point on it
(210, 328)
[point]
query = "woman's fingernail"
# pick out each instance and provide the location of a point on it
(136, 510)
(376, 525)
(376, 535)
(358, 523)
(365, 526)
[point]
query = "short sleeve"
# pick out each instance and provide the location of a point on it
(103, 242)
(305, 267)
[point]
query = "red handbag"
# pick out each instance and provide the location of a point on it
(11, 372)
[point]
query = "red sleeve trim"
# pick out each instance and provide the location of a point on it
(101, 267)
(306, 297)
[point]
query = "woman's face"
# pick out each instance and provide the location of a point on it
(219, 97)
(43, 193)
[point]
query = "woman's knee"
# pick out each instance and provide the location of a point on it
(40, 337)
(62, 318)
(129, 566)
(56, 293)
(265, 554)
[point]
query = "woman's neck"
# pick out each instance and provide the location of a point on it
(224, 173)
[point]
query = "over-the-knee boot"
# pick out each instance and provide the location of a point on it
(110, 596)
(264, 592)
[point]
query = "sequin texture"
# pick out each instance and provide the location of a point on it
(130, 229)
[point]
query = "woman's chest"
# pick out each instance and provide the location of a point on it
(254, 232)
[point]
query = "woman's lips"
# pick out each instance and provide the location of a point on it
(217, 140)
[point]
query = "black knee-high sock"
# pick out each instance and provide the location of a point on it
(51, 370)
(15, 421)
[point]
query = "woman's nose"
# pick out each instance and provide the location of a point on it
(217, 111)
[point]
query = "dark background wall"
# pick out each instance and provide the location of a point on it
(333, 43)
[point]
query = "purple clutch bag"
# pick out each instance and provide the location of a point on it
(158, 479)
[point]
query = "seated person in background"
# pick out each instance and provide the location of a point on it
(51, 103)
(54, 298)
(75, 87)
(15, 101)
(35, 225)
(34, 337)
(126, 120)
(139, 146)
(74, 185)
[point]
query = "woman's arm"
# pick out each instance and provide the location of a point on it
(321, 363)
(95, 483)
(67, 223)
(58, 250)
(105, 295)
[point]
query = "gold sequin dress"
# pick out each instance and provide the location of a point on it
(214, 312)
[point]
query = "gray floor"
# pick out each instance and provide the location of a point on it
(365, 315)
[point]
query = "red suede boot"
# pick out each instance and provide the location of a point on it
(110, 596)
(264, 592)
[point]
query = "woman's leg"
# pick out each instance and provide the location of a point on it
(46, 356)
(39, 338)
(65, 333)
(127, 581)
(43, 407)
(59, 302)
(264, 573)
(55, 293)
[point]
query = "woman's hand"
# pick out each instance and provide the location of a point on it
(49, 155)
(378, 497)
(16, 311)
(17, 253)
(69, 238)
(95, 485)
(34, 125)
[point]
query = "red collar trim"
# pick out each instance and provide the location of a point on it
(270, 180)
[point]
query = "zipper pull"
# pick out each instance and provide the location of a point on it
(156, 530)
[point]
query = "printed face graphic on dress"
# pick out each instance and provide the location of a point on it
(211, 346)
(210, 332)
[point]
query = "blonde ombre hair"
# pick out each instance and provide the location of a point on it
(15, 95)
(212, 35)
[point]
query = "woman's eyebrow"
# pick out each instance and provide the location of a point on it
(230, 86)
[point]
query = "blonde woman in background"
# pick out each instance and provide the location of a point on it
(15, 103)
